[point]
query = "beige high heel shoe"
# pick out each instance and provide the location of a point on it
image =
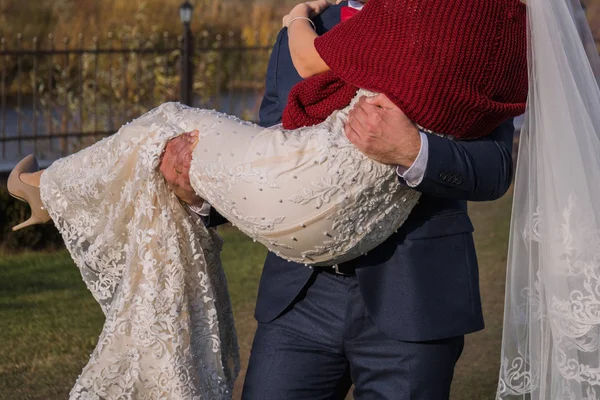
(27, 193)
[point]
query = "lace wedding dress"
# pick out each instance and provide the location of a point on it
(309, 195)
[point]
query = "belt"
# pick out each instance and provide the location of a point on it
(345, 269)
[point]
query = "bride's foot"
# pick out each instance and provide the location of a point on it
(24, 184)
(31, 178)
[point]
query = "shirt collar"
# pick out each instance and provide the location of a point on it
(355, 4)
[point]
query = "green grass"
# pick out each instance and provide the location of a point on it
(477, 370)
(49, 323)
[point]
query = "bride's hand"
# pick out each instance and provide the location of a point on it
(310, 9)
(175, 167)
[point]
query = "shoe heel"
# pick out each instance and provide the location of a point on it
(33, 220)
(27, 193)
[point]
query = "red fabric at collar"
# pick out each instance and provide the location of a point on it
(347, 12)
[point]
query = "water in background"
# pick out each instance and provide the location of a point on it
(244, 105)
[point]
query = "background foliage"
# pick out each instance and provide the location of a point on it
(66, 18)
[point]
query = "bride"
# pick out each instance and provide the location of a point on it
(301, 189)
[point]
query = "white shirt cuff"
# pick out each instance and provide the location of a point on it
(414, 175)
(203, 210)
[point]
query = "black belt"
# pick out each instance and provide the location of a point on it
(344, 269)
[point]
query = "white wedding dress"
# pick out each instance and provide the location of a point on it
(309, 195)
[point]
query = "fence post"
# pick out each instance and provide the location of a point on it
(187, 82)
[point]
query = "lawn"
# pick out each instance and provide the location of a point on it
(49, 323)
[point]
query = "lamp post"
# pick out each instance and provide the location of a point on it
(185, 13)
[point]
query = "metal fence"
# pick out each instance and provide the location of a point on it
(57, 96)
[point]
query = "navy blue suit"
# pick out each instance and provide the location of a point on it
(414, 296)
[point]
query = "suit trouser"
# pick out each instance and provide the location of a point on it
(327, 340)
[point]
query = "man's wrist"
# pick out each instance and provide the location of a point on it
(190, 198)
(414, 175)
(199, 202)
(202, 210)
(409, 154)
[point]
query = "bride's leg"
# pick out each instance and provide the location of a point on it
(308, 195)
(169, 326)
(141, 139)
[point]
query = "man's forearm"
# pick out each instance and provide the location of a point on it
(472, 170)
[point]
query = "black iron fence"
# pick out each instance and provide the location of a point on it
(59, 95)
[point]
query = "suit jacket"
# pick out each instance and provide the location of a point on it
(422, 283)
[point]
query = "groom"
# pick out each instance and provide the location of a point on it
(392, 321)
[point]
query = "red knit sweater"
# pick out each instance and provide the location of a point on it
(455, 67)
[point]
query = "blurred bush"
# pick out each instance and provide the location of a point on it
(13, 212)
(65, 18)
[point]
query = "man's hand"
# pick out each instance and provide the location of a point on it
(175, 167)
(379, 129)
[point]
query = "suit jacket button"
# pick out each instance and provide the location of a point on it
(459, 180)
(444, 176)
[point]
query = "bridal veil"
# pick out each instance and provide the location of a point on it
(551, 339)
